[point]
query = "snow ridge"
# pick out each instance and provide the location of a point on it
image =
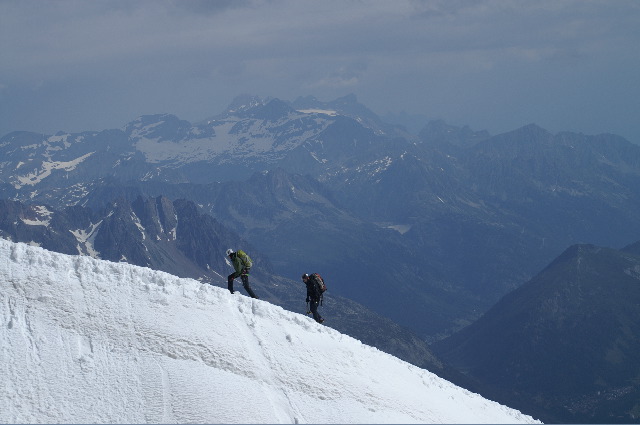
(85, 341)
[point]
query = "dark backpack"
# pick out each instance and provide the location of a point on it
(318, 283)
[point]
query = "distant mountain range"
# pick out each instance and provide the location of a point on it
(429, 230)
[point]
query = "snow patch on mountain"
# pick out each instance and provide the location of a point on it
(46, 169)
(400, 228)
(41, 216)
(86, 239)
(91, 341)
(319, 111)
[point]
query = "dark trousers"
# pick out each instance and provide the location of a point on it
(245, 284)
(313, 306)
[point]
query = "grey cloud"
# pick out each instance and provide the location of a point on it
(492, 64)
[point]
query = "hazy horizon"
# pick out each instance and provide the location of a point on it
(569, 65)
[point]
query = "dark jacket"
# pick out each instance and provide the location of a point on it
(313, 293)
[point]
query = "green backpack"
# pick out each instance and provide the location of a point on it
(244, 258)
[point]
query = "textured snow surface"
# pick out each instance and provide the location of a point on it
(90, 341)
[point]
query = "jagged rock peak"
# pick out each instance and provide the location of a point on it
(532, 131)
(245, 102)
(145, 120)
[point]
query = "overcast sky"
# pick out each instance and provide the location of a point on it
(494, 64)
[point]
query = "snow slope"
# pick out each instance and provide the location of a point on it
(90, 341)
